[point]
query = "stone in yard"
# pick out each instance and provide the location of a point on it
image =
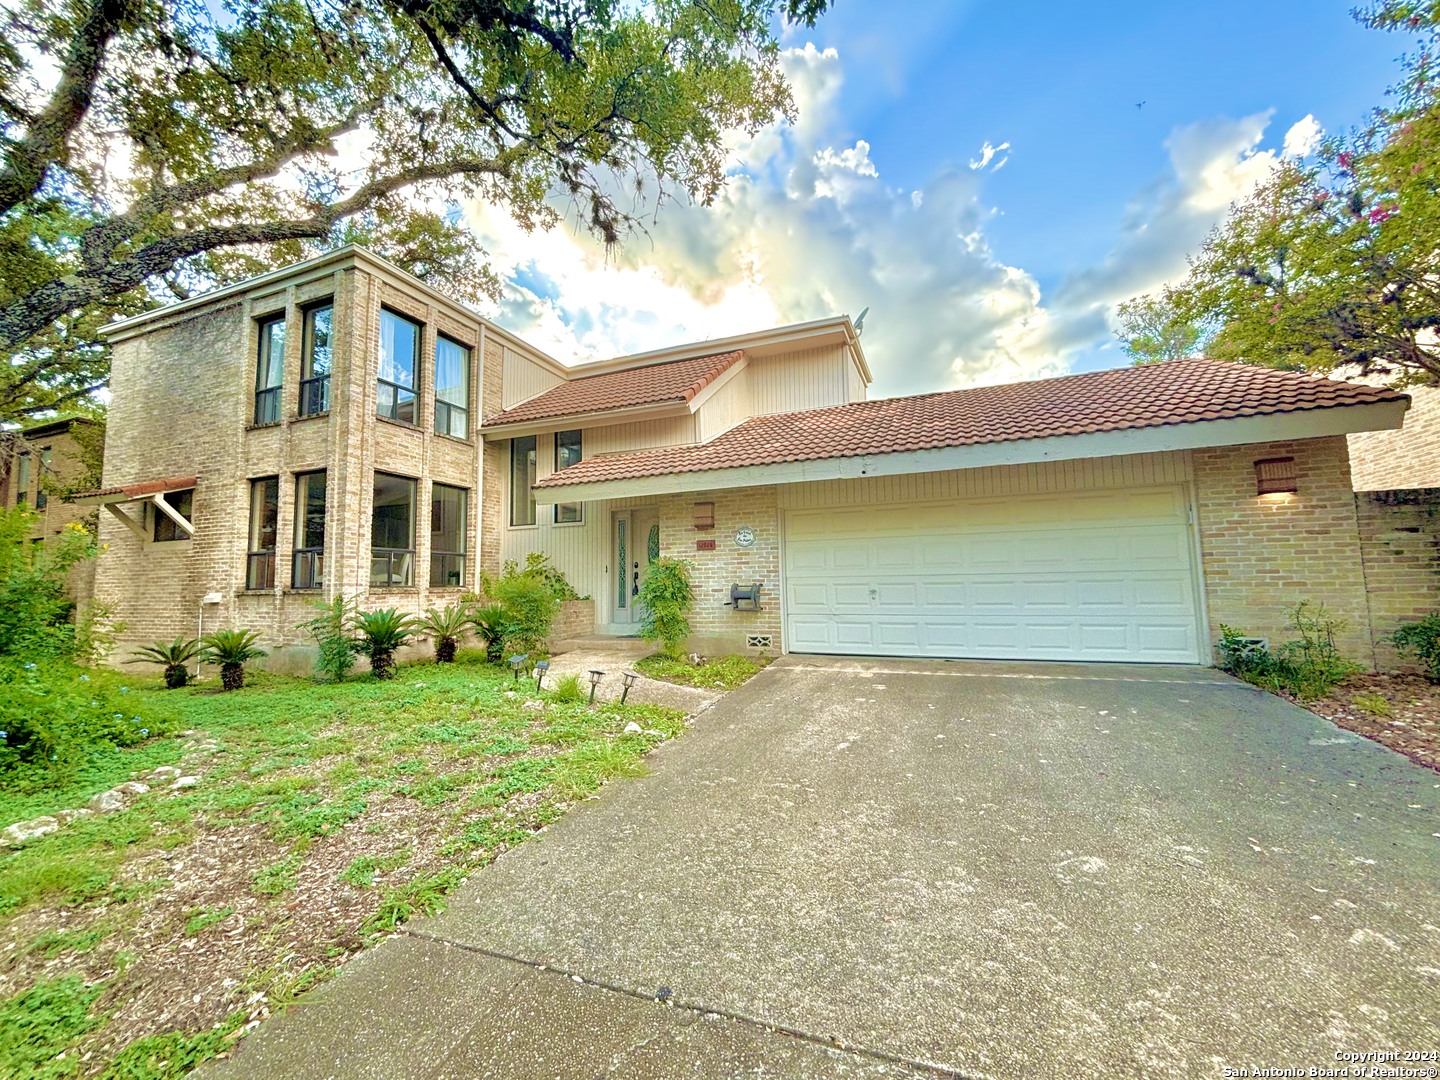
(108, 802)
(67, 816)
(533, 706)
(185, 782)
(632, 728)
(164, 772)
(22, 832)
(132, 787)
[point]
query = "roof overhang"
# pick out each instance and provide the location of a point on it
(1277, 427)
(658, 410)
(133, 492)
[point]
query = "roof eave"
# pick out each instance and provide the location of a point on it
(625, 414)
(1273, 427)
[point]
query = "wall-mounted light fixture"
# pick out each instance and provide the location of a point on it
(704, 516)
(1276, 476)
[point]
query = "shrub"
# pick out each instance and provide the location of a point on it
(493, 627)
(446, 626)
(172, 657)
(52, 715)
(667, 598)
(331, 629)
(568, 689)
(34, 607)
(381, 633)
(1307, 668)
(96, 632)
(540, 568)
(1421, 640)
(530, 607)
(231, 649)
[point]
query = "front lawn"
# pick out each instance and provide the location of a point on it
(140, 942)
(714, 673)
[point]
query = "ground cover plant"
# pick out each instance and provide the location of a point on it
(714, 672)
(321, 816)
(1306, 668)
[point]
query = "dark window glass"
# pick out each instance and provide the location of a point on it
(41, 498)
(264, 517)
(452, 388)
(399, 345)
(522, 479)
(22, 479)
(270, 370)
(315, 360)
(567, 453)
(308, 571)
(392, 531)
(447, 535)
(181, 502)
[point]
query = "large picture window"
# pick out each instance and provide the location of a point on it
(264, 518)
(392, 531)
(316, 354)
(567, 452)
(270, 370)
(399, 346)
(452, 389)
(182, 502)
(308, 564)
(447, 535)
(522, 479)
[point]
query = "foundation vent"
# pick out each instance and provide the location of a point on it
(759, 641)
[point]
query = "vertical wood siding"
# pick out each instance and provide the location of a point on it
(727, 406)
(524, 378)
(806, 379)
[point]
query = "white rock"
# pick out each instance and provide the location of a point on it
(22, 832)
(632, 728)
(67, 816)
(164, 772)
(533, 706)
(108, 802)
(132, 787)
(185, 782)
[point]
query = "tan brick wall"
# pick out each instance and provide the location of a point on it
(183, 404)
(716, 628)
(1408, 458)
(67, 468)
(1265, 553)
(1400, 542)
(576, 619)
(492, 468)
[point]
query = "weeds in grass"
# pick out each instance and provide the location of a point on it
(568, 690)
(716, 673)
(203, 918)
(54, 942)
(362, 871)
(40, 1024)
(1373, 704)
(423, 896)
(173, 1054)
(278, 877)
(579, 772)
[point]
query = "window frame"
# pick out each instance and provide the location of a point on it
(464, 534)
(314, 386)
(446, 407)
(268, 405)
(308, 555)
(22, 478)
(564, 510)
(534, 452)
(260, 561)
(42, 499)
(396, 388)
(406, 578)
(163, 520)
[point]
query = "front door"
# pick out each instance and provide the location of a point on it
(635, 545)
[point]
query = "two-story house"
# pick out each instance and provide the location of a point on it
(42, 462)
(338, 427)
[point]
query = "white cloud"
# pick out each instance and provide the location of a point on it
(987, 154)
(1303, 138)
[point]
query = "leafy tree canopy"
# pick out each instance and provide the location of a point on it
(1332, 264)
(152, 147)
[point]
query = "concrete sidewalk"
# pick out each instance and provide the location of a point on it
(955, 869)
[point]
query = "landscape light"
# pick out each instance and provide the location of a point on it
(541, 667)
(518, 662)
(595, 677)
(628, 678)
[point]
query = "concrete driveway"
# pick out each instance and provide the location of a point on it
(854, 868)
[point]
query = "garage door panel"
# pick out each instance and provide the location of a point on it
(1096, 575)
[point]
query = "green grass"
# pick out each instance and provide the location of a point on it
(303, 764)
(717, 673)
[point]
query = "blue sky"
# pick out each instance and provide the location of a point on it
(881, 195)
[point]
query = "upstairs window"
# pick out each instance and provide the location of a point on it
(392, 531)
(308, 563)
(182, 502)
(452, 389)
(522, 479)
(264, 519)
(447, 536)
(40, 497)
(567, 452)
(399, 346)
(316, 353)
(270, 370)
(22, 479)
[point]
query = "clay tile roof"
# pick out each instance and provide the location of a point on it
(677, 381)
(1156, 395)
(135, 491)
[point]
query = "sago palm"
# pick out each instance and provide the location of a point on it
(381, 633)
(446, 625)
(173, 657)
(231, 649)
(493, 623)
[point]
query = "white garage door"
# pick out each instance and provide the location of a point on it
(1103, 575)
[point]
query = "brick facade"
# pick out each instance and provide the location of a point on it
(1400, 546)
(1408, 458)
(55, 460)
